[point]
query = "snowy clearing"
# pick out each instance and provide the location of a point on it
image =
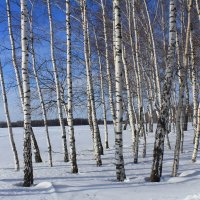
(97, 183)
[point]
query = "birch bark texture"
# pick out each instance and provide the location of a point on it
(72, 146)
(161, 131)
(140, 129)
(120, 170)
(129, 98)
(195, 92)
(56, 78)
(90, 91)
(18, 78)
(110, 87)
(9, 125)
(28, 168)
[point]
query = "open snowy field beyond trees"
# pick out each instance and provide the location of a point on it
(97, 183)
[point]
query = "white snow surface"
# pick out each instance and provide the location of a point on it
(97, 183)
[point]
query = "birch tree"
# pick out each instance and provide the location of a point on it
(193, 70)
(198, 9)
(129, 98)
(28, 168)
(140, 129)
(120, 170)
(74, 167)
(56, 78)
(102, 92)
(41, 98)
(196, 144)
(181, 95)
(9, 125)
(18, 78)
(110, 87)
(90, 90)
(156, 171)
(158, 90)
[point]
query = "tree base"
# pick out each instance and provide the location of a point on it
(154, 177)
(74, 169)
(99, 163)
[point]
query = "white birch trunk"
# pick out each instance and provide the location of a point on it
(14, 58)
(72, 146)
(18, 78)
(196, 143)
(89, 82)
(183, 77)
(110, 87)
(28, 168)
(158, 90)
(194, 86)
(56, 78)
(102, 94)
(198, 9)
(158, 151)
(120, 170)
(91, 93)
(9, 125)
(163, 32)
(140, 130)
(129, 98)
(44, 113)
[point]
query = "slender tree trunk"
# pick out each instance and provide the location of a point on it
(120, 170)
(183, 78)
(129, 97)
(92, 99)
(102, 94)
(44, 113)
(178, 123)
(194, 86)
(28, 168)
(196, 144)
(89, 83)
(163, 32)
(158, 90)
(17, 74)
(132, 26)
(187, 107)
(74, 167)
(198, 9)
(9, 125)
(58, 95)
(13, 49)
(158, 151)
(110, 87)
(36, 149)
(140, 128)
(150, 99)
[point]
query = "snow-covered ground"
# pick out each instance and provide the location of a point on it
(97, 183)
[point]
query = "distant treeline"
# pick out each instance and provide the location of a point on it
(51, 122)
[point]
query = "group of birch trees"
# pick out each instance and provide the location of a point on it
(132, 61)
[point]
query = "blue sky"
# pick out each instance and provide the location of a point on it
(41, 28)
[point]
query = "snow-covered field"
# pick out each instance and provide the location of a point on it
(97, 183)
